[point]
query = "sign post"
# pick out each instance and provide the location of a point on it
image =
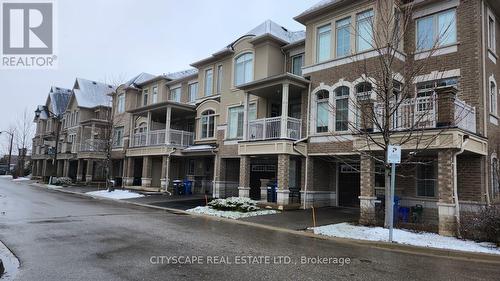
(393, 157)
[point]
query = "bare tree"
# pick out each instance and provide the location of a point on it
(23, 132)
(386, 107)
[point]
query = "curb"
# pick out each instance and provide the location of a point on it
(393, 247)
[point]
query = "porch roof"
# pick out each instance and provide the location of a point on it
(275, 80)
(176, 105)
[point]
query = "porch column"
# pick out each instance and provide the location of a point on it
(128, 172)
(167, 124)
(79, 171)
(446, 207)
(244, 188)
(45, 173)
(90, 170)
(367, 196)
(165, 172)
(245, 115)
(283, 177)
(308, 182)
(219, 190)
(446, 106)
(66, 169)
(146, 171)
(59, 171)
(284, 110)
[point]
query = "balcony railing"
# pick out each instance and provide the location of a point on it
(157, 138)
(270, 128)
(95, 145)
(422, 113)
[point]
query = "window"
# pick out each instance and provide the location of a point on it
(436, 30)
(364, 30)
(297, 64)
(324, 42)
(343, 37)
(207, 124)
(118, 137)
(235, 122)
(491, 33)
(493, 98)
(322, 111)
(341, 108)
(191, 167)
(154, 95)
(219, 79)
(209, 76)
(145, 97)
(495, 176)
(193, 91)
(243, 69)
(175, 94)
(252, 112)
(120, 107)
(426, 180)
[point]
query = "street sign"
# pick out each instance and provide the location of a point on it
(394, 154)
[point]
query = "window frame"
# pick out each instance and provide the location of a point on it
(336, 99)
(436, 31)
(323, 100)
(120, 103)
(154, 94)
(419, 180)
(190, 91)
(115, 143)
(243, 64)
(493, 92)
(220, 75)
(145, 97)
(229, 119)
(295, 57)
(177, 90)
(337, 28)
(208, 85)
(207, 115)
(319, 59)
(491, 32)
(362, 20)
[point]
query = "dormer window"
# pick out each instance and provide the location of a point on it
(243, 69)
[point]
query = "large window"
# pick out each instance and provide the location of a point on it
(436, 30)
(193, 91)
(364, 31)
(235, 122)
(341, 108)
(324, 42)
(118, 137)
(175, 94)
(243, 69)
(145, 94)
(219, 79)
(154, 97)
(297, 64)
(426, 180)
(322, 115)
(207, 124)
(493, 98)
(343, 37)
(209, 78)
(120, 106)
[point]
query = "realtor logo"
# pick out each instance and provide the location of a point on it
(28, 34)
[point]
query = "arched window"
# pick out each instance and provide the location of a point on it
(495, 176)
(342, 108)
(322, 111)
(207, 124)
(243, 69)
(493, 97)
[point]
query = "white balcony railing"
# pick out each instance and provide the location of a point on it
(95, 145)
(465, 116)
(158, 137)
(270, 128)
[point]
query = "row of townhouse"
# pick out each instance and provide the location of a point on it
(254, 112)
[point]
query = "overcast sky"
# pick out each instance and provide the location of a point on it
(116, 39)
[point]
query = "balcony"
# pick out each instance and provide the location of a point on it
(95, 145)
(271, 128)
(163, 137)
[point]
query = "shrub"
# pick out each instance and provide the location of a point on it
(483, 225)
(61, 181)
(239, 204)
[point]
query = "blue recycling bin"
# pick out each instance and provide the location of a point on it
(188, 187)
(395, 209)
(404, 214)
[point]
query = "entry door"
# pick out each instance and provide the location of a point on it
(349, 185)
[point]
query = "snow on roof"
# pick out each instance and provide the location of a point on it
(198, 147)
(318, 6)
(181, 74)
(59, 98)
(272, 28)
(138, 79)
(91, 94)
(43, 113)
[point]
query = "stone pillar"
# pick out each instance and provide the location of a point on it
(446, 207)
(66, 169)
(446, 105)
(219, 190)
(34, 168)
(367, 191)
(60, 168)
(284, 111)
(165, 172)
(283, 177)
(90, 171)
(79, 170)
(128, 172)
(45, 172)
(308, 183)
(146, 171)
(244, 188)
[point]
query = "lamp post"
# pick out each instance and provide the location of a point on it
(10, 147)
(58, 118)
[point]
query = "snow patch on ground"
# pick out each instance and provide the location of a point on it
(421, 239)
(116, 194)
(21, 179)
(6, 176)
(206, 210)
(53, 186)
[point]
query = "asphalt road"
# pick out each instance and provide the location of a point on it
(63, 237)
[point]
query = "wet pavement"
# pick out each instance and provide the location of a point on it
(59, 236)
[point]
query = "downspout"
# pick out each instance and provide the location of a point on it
(167, 172)
(485, 95)
(465, 139)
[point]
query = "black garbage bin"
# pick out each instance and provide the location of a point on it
(178, 187)
(271, 192)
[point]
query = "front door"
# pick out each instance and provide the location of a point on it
(349, 185)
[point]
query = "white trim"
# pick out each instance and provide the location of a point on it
(435, 8)
(436, 75)
(437, 52)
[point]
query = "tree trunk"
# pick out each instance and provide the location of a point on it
(387, 174)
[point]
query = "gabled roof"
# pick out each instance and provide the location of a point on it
(172, 76)
(267, 28)
(90, 94)
(323, 4)
(59, 99)
(138, 79)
